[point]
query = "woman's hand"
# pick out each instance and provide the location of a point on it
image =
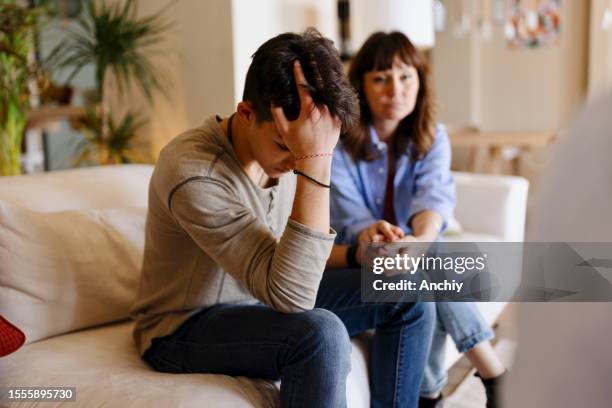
(408, 238)
(315, 131)
(380, 231)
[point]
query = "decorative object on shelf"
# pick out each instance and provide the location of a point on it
(475, 16)
(54, 94)
(533, 23)
(112, 37)
(526, 23)
(17, 72)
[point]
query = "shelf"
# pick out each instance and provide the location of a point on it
(490, 149)
(44, 117)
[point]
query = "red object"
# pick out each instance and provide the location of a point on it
(11, 338)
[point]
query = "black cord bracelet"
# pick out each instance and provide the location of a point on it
(311, 179)
(351, 256)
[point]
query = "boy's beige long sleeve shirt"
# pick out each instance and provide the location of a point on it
(213, 236)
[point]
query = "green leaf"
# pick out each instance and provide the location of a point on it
(112, 37)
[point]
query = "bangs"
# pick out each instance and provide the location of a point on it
(385, 47)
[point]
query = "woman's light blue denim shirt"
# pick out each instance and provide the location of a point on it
(358, 189)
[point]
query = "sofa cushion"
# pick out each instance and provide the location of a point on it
(67, 270)
(103, 365)
(85, 188)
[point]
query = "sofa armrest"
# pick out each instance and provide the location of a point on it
(492, 204)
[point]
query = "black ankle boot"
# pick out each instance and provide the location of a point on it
(493, 389)
(431, 402)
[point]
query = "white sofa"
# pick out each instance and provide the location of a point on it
(70, 250)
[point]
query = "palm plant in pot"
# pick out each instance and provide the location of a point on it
(119, 44)
(17, 29)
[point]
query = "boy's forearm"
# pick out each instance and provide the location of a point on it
(311, 202)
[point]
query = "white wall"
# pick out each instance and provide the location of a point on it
(198, 61)
(455, 65)
(209, 50)
(487, 84)
(413, 17)
(254, 22)
(536, 89)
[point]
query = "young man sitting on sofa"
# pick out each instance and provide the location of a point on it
(233, 278)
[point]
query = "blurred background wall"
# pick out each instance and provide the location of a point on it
(484, 83)
(480, 81)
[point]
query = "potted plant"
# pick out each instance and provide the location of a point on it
(17, 70)
(117, 42)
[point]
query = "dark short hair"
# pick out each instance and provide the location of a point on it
(418, 128)
(270, 80)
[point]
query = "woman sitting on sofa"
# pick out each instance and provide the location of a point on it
(391, 181)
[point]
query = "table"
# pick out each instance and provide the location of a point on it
(489, 148)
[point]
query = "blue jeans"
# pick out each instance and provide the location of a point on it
(310, 351)
(466, 327)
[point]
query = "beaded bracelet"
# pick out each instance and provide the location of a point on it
(310, 156)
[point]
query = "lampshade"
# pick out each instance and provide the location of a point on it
(412, 17)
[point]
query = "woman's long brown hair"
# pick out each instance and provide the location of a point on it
(418, 128)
